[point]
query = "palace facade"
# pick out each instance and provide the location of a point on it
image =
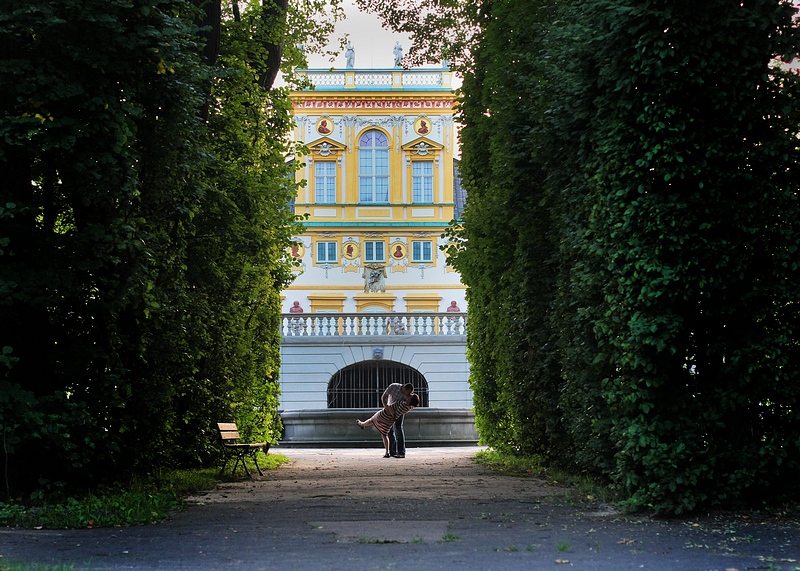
(374, 300)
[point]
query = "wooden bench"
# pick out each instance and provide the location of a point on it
(229, 433)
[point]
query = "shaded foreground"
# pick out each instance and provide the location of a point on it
(436, 509)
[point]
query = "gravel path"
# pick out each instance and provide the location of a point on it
(351, 509)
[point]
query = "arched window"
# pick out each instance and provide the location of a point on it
(361, 385)
(373, 167)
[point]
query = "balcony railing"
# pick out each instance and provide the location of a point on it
(381, 79)
(352, 324)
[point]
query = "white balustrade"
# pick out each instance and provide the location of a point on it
(371, 324)
(371, 78)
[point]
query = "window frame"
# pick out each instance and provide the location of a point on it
(326, 195)
(426, 195)
(373, 168)
(327, 244)
(421, 259)
(366, 248)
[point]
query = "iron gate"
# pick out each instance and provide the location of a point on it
(361, 385)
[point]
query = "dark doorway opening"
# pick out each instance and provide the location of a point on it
(361, 385)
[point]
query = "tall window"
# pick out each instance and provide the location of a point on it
(325, 181)
(422, 181)
(373, 167)
(374, 252)
(422, 252)
(326, 253)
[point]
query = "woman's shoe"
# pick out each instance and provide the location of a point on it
(358, 422)
(387, 455)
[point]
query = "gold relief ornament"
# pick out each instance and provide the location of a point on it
(325, 126)
(350, 250)
(422, 126)
(397, 251)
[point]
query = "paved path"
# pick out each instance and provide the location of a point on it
(351, 509)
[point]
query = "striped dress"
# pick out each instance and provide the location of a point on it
(384, 420)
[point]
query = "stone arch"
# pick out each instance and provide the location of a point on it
(361, 384)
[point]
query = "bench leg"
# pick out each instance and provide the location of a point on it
(255, 461)
(238, 459)
(240, 456)
(224, 464)
(244, 464)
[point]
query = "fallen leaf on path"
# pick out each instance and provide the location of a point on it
(627, 541)
(562, 561)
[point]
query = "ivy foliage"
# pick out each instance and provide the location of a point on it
(143, 231)
(630, 240)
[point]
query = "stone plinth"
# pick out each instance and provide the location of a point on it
(338, 428)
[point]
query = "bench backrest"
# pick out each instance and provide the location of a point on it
(228, 431)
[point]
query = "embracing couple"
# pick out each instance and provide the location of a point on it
(397, 400)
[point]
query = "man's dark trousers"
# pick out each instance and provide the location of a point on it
(397, 438)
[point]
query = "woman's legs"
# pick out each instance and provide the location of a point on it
(385, 437)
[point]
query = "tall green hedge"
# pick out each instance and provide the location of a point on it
(144, 219)
(630, 243)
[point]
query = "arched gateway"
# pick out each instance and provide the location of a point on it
(361, 385)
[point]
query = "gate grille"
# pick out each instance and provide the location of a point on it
(362, 384)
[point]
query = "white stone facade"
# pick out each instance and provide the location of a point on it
(310, 362)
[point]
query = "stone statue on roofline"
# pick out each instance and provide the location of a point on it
(398, 54)
(350, 55)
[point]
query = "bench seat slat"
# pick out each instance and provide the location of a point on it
(245, 445)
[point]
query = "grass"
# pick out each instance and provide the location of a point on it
(137, 502)
(582, 488)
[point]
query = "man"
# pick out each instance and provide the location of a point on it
(397, 438)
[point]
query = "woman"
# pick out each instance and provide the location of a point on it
(384, 419)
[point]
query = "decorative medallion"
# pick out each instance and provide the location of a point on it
(325, 126)
(297, 251)
(398, 251)
(422, 126)
(350, 250)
